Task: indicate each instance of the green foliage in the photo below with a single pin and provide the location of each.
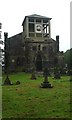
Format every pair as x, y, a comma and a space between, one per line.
68, 58
28, 100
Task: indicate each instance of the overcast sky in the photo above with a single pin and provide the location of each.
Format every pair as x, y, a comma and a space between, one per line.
12, 13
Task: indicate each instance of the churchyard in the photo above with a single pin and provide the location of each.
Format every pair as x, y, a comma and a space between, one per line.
29, 100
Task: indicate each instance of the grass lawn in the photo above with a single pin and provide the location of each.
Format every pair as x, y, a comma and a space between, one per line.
28, 100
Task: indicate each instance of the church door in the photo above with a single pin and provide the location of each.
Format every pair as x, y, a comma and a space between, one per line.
39, 63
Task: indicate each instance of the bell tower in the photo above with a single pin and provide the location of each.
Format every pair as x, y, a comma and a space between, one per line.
36, 27
39, 46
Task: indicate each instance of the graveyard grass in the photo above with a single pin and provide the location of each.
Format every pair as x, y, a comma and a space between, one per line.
28, 100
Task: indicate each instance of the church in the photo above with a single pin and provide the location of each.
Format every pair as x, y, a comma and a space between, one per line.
33, 48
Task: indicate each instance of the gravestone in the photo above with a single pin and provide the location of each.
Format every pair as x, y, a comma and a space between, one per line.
56, 73
18, 82
46, 83
33, 76
7, 81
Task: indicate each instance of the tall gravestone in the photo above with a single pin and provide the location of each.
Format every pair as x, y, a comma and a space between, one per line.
46, 83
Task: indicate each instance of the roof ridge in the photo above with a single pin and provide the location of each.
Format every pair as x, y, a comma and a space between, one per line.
36, 15
15, 35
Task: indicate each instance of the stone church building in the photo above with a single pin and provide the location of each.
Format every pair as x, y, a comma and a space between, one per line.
34, 47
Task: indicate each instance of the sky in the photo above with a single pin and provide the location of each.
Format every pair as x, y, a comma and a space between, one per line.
12, 13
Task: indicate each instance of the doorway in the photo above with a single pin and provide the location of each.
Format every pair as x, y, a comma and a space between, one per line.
39, 63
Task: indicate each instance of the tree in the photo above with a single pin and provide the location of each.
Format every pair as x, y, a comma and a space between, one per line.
68, 61
68, 58
6, 51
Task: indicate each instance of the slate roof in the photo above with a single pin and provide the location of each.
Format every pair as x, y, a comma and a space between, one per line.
16, 36
37, 16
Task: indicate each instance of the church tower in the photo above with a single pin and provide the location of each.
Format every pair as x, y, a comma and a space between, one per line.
38, 45
36, 27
